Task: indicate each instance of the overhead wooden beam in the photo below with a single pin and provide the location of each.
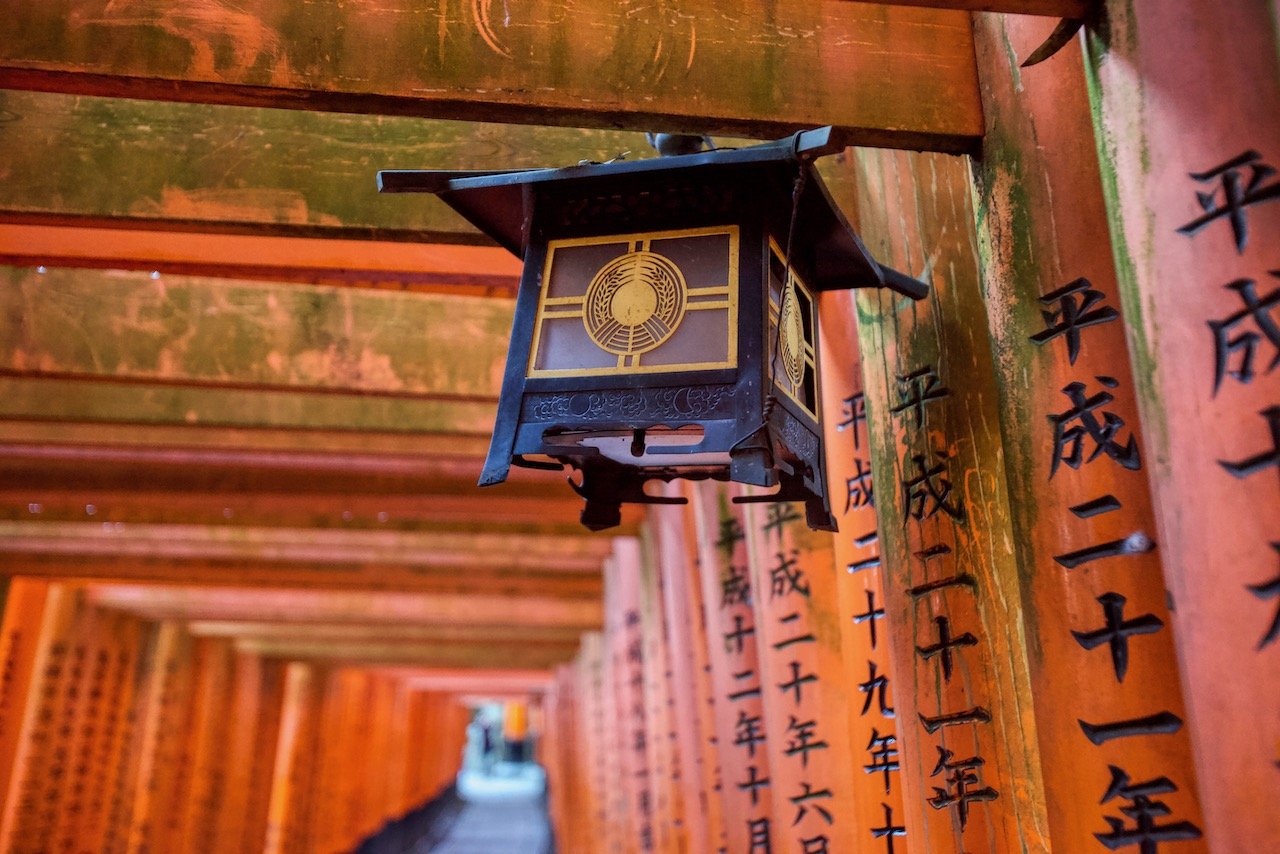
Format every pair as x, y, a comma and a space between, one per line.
414, 551
463, 681
1052, 8
891, 75
468, 655
378, 632
155, 602
244, 170
401, 266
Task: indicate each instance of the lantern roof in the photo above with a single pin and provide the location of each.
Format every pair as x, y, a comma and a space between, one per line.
499, 202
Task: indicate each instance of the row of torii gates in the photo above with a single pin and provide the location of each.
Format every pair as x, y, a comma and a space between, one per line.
251, 590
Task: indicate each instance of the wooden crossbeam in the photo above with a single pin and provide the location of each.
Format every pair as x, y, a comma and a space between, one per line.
417, 551
891, 75
402, 266
156, 602
467, 655
1052, 8
376, 632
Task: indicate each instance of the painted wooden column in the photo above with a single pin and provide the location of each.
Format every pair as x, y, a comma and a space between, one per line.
671, 832
1108, 700
288, 822
971, 772
690, 674
593, 811
19, 653
624, 642
864, 625
26, 824
245, 704
210, 723
1188, 130
109, 812
733, 646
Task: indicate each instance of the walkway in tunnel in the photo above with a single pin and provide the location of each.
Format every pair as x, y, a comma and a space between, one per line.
500, 813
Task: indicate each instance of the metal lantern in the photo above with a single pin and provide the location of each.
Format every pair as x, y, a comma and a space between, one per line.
666, 323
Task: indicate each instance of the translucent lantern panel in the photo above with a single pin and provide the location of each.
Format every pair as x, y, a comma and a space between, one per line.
638, 303
792, 340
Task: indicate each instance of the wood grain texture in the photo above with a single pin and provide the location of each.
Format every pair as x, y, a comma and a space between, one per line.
896, 76
1042, 227
1173, 98
915, 214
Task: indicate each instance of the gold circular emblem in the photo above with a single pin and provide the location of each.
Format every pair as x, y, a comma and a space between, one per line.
634, 303
791, 335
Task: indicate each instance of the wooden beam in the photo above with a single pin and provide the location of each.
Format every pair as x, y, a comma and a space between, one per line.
377, 632
418, 551
317, 606
463, 681
416, 267
245, 170
1052, 8
891, 75
468, 655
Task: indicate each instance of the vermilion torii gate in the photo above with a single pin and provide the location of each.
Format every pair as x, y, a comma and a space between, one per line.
244, 400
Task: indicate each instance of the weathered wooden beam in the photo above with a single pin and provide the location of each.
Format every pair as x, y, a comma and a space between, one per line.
469, 655
893, 76
418, 551
362, 607
1053, 8
401, 266
244, 170
355, 632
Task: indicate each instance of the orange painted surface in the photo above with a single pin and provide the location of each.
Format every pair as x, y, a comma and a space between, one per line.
807, 700
737, 680
874, 726
19, 652
693, 701
1189, 138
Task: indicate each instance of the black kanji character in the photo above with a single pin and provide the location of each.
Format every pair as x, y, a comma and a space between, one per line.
918, 388
807, 637
759, 830
801, 802
888, 830
1226, 344
859, 489
870, 616
730, 534
1117, 631
796, 682
875, 686
753, 784
1072, 315
745, 675
801, 739
749, 731
1237, 194
814, 845
960, 776
927, 492
946, 643
1144, 812
1069, 440
1269, 590
786, 577
1264, 460
735, 588
884, 756
734, 640
855, 411
1161, 723
779, 514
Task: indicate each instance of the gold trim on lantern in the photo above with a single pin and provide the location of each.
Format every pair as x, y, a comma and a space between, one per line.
786, 323
636, 302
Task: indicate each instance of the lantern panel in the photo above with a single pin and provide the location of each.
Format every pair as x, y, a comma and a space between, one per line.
792, 339
638, 303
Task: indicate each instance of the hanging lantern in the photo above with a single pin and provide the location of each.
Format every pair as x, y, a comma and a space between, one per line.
665, 325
